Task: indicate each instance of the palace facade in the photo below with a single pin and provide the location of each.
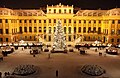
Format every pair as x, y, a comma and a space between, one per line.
35, 24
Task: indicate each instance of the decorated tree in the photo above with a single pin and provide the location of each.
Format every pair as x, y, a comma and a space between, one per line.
59, 39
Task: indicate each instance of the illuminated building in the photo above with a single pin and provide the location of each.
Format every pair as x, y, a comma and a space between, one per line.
30, 24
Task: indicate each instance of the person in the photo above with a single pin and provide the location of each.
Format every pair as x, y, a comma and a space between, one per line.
8, 73
49, 56
104, 54
0, 74
30, 52
22, 49
5, 73
33, 55
56, 73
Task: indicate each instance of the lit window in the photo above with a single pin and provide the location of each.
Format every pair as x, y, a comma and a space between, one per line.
25, 29
79, 29
35, 29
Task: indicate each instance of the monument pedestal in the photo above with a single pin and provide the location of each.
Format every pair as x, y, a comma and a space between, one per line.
58, 51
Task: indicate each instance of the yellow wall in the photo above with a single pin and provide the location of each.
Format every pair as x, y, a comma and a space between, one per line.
62, 12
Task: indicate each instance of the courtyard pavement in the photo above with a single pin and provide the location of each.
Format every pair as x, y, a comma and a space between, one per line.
68, 65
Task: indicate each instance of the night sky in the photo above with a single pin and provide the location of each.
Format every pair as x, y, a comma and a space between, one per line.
83, 4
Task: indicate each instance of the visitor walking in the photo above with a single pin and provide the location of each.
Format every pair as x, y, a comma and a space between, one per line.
0, 74
5, 73
49, 56
56, 73
8, 73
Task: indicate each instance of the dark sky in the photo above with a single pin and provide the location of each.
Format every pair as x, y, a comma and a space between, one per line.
83, 4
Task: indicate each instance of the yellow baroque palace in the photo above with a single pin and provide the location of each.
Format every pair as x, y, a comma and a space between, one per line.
36, 24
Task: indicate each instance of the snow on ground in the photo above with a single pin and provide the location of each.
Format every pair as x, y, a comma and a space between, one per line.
67, 64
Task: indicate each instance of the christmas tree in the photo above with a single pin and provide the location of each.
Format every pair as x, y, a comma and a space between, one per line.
59, 39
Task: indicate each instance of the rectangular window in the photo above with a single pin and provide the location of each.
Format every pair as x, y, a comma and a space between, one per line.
25, 29
39, 21
94, 21
49, 9
6, 20
70, 11
69, 38
6, 39
30, 21
112, 31
69, 20
44, 21
69, 30
49, 30
89, 29
89, 21
79, 29
0, 20
7, 32
118, 40
64, 10
118, 32
54, 29
84, 30
1, 31
1, 39
25, 21
74, 21
40, 29
94, 29
20, 21
54, 10
113, 21
64, 20
44, 29
99, 21
25, 37
45, 37
30, 37
30, 29
20, 29
35, 29
99, 30
49, 38
79, 21
74, 29
34, 21
49, 20
84, 21
54, 20
112, 40
59, 10
65, 30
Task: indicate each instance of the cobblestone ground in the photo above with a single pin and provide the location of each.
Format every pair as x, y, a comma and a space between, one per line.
68, 65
